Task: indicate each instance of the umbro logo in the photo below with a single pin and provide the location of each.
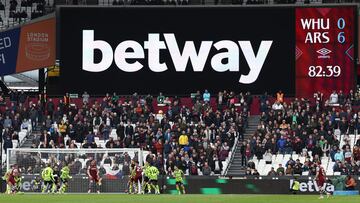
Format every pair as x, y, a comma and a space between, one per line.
324, 53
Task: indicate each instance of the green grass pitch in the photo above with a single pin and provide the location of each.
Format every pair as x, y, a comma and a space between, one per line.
122, 198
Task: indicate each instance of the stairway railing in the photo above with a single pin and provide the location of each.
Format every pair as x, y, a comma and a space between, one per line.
232, 155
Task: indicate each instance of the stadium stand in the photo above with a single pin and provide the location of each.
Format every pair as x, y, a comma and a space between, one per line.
293, 135
15, 12
183, 131
187, 132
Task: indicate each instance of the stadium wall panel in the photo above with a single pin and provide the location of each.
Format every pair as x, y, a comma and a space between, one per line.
193, 185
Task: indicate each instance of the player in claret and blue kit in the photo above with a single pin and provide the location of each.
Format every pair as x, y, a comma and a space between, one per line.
13, 180
94, 177
320, 179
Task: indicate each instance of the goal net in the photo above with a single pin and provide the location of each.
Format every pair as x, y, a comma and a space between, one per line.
113, 166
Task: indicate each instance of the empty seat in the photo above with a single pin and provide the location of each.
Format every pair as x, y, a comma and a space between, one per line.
261, 165
279, 159
273, 158
265, 170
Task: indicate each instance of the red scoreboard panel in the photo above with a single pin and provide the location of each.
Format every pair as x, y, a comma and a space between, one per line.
325, 50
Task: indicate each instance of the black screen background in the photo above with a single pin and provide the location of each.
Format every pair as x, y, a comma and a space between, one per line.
116, 24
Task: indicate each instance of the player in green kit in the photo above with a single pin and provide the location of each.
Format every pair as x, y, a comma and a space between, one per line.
64, 178
48, 176
153, 176
145, 184
179, 176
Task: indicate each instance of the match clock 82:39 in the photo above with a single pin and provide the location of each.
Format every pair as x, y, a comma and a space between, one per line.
326, 71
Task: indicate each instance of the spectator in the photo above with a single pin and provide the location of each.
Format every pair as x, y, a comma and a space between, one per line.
183, 139
280, 97
280, 170
272, 172
160, 98
277, 106
22, 97
206, 96
85, 97
350, 183
334, 98
268, 157
339, 156
90, 138
281, 144
206, 170
8, 144
50, 107
297, 169
289, 171
256, 173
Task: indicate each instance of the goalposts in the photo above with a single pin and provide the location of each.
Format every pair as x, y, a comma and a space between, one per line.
113, 165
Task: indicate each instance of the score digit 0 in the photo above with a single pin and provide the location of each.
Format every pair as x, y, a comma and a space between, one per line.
341, 35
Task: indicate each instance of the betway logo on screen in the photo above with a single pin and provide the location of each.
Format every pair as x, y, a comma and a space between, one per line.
180, 59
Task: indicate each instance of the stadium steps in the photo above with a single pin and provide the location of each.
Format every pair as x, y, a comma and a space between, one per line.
235, 168
31, 138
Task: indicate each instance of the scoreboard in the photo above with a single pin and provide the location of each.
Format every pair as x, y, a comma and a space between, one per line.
179, 50
325, 49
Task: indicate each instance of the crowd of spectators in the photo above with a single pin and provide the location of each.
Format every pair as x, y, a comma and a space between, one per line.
196, 137
317, 125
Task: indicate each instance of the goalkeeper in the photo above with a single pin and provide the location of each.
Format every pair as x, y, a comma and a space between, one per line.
179, 175
153, 176
65, 177
48, 177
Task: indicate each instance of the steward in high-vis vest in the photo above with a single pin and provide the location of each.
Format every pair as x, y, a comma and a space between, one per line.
295, 186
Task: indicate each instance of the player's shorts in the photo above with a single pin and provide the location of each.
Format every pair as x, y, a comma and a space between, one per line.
11, 180
320, 182
95, 179
56, 180
49, 182
138, 178
64, 181
153, 182
180, 183
146, 179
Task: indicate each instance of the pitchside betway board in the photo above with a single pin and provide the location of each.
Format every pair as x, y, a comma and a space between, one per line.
184, 49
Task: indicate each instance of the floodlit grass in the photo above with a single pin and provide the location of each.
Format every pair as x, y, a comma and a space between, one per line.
122, 198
